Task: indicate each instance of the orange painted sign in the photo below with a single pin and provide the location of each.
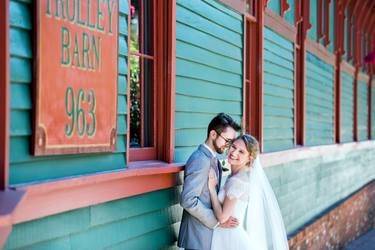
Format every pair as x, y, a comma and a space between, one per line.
76, 93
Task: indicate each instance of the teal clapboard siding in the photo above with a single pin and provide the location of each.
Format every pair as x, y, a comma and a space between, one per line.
306, 188
347, 107
275, 6
208, 78
362, 110
278, 92
146, 221
23, 166
319, 101
290, 13
313, 33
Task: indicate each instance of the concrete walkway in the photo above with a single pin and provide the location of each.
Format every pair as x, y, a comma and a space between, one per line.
364, 242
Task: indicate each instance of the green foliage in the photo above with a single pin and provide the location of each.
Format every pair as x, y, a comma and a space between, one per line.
135, 92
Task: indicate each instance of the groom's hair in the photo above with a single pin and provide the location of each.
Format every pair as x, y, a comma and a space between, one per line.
220, 122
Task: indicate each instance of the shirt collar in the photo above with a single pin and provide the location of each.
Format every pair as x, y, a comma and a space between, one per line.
212, 152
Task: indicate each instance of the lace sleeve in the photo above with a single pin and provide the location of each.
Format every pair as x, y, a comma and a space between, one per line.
236, 188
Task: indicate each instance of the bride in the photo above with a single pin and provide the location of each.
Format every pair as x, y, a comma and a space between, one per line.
248, 196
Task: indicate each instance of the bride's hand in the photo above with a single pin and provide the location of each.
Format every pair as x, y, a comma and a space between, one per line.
212, 180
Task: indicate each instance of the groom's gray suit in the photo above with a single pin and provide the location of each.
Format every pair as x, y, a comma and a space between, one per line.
198, 218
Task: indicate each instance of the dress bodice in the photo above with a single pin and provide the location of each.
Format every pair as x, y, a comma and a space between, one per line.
236, 187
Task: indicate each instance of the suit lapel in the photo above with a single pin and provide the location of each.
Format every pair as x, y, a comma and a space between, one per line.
220, 172
214, 163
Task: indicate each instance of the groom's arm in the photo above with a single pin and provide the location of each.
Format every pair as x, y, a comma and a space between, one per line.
196, 176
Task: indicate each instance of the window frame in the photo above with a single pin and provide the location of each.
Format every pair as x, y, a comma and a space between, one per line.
163, 103
253, 64
4, 95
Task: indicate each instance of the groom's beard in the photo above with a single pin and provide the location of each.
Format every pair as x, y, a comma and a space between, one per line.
217, 148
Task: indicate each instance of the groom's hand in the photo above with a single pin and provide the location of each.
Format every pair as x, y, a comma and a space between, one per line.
230, 223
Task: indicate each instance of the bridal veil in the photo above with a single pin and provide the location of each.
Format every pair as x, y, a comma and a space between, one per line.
263, 222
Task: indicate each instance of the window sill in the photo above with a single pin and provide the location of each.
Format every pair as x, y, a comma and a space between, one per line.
320, 51
30, 202
303, 153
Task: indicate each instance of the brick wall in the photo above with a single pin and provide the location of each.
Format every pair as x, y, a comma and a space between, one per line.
340, 224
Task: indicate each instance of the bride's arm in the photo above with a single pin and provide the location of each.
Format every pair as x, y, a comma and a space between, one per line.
222, 213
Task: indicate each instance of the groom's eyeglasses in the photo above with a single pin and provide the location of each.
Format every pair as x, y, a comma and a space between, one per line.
227, 141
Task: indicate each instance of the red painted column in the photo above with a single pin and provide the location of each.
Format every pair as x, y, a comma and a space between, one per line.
4, 93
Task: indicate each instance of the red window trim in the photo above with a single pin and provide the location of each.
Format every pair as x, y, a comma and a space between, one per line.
320, 51
298, 17
280, 25
238, 5
164, 87
320, 21
326, 39
4, 94
355, 106
253, 73
350, 28
284, 7
348, 68
300, 77
339, 34
369, 107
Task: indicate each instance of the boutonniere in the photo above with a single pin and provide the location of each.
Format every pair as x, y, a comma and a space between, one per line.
224, 165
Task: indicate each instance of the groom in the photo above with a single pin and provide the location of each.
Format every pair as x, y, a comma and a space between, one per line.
198, 219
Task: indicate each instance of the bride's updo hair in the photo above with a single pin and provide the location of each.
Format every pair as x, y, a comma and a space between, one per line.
252, 145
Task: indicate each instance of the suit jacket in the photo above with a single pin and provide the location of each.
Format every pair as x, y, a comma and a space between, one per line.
198, 219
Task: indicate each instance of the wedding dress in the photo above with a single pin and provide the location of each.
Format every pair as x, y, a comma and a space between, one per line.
261, 225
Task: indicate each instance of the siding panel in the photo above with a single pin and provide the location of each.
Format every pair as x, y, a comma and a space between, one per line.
347, 107
125, 223
362, 111
278, 92
208, 78
319, 101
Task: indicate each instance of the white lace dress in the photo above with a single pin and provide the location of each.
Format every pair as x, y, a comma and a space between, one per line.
237, 187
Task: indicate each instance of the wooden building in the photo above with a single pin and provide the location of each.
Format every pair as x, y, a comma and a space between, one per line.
102, 102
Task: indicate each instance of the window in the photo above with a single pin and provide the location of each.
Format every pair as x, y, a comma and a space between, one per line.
142, 70
151, 83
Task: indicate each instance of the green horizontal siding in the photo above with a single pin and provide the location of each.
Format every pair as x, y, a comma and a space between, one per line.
208, 78
23, 166
312, 33
319, 101
140, 222
278, 92
362, 111
306, 188
347, 107
303, 188
275, 6
290, 14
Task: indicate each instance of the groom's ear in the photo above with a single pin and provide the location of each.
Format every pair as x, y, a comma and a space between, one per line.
213, 134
